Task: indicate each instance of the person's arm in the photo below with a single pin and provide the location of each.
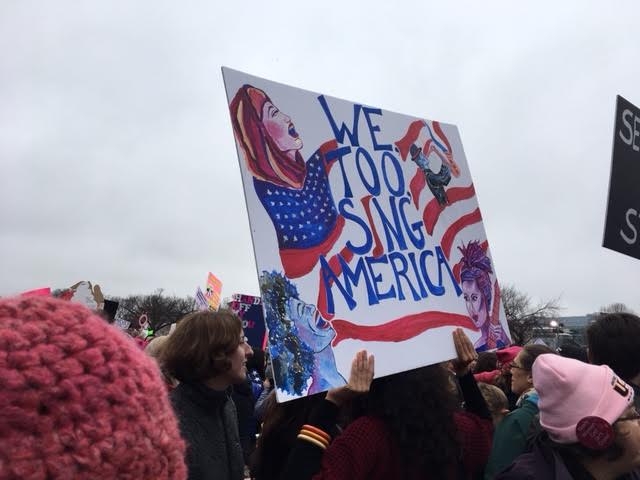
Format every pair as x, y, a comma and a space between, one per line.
313, 442
474, 424
306, 456
473, 399
474, 402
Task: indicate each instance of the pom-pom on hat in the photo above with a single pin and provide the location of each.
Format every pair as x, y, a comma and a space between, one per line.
80, 400
579, 402
507, 355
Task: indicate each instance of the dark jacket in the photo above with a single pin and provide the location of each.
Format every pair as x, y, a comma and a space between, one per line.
209, 426
242, 397
546, 463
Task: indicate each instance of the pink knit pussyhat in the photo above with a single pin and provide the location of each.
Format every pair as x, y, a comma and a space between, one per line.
507, 355
78, 400
579, 402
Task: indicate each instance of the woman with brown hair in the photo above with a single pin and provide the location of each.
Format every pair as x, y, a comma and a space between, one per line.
207, 353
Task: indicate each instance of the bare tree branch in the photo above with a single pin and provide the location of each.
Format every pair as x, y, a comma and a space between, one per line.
523, 316
616, 308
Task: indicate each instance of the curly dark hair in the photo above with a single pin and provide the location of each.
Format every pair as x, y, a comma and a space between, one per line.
418, 406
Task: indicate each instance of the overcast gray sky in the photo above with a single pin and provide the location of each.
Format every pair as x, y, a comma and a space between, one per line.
118, 163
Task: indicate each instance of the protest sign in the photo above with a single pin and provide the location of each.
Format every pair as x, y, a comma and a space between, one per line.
366, 232
212, 294
201, 300
249, 309
622, 223
110, 310
38, 292
86, 294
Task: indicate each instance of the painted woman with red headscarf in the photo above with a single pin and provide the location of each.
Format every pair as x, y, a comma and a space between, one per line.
295, 194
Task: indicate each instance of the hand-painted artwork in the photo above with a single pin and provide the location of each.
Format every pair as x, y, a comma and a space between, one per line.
214, 289
367, 234
249, 309
88, 295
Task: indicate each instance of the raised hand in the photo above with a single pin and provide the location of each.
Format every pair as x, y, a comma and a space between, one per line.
466, 353
360, 378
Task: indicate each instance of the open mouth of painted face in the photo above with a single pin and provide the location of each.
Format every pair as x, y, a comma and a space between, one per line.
292, 131
321, 323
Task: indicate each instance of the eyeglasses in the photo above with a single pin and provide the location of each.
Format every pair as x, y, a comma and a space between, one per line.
519, 367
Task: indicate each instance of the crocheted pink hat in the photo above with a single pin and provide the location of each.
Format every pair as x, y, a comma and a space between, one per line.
571, 391
80, 400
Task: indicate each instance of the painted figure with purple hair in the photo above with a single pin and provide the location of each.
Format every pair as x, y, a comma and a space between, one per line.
475, 275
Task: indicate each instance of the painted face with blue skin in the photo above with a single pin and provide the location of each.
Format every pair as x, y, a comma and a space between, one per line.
312, 328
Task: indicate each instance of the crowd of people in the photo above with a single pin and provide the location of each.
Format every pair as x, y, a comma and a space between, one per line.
81, 399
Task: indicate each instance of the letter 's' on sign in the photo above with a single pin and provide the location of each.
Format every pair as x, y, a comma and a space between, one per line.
622, 223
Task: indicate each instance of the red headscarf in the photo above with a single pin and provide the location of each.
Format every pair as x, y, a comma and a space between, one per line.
264, 159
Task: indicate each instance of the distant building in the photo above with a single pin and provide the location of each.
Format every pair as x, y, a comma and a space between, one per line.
577, 327
571, 330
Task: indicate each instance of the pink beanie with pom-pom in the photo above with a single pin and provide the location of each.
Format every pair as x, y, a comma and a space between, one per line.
79, 400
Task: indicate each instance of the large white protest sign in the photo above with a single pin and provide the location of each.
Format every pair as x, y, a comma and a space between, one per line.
366, 231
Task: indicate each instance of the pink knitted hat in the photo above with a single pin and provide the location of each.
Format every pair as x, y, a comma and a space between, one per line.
506, 355
571, 391
80, 400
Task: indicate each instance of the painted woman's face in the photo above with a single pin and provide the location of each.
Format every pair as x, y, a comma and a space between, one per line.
475, 302
280, 128
312, 328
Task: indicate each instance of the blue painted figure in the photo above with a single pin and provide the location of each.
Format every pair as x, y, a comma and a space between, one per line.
299, 337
